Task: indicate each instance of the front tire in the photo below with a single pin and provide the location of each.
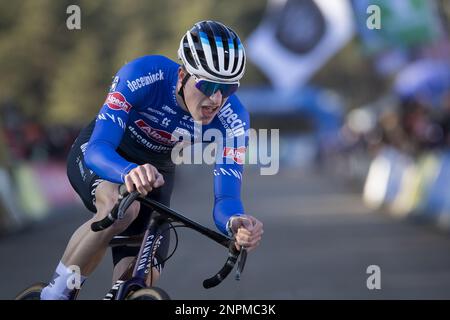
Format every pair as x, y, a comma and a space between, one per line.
31, 293
153, 293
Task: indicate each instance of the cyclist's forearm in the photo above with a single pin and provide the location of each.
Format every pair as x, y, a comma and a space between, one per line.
224, 209
227, 193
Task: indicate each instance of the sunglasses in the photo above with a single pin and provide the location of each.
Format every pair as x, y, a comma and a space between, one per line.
208, 88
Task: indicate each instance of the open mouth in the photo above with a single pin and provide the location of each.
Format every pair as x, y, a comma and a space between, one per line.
208, 111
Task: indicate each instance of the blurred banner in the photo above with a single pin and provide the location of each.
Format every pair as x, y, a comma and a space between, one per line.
43, 187
33, 192
10, 215
324, 107
297, 37
408, 28
405, 187
404, 24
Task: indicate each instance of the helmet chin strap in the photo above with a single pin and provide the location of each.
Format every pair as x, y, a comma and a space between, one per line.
181, 91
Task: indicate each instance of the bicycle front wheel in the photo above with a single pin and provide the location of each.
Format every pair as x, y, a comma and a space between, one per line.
31, 293
153, 293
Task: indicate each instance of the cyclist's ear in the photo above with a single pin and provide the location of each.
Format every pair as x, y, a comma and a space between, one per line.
181, 72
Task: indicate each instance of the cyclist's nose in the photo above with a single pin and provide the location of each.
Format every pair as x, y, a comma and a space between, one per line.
216, 98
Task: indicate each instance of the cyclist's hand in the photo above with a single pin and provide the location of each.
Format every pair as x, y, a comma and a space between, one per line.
247, 230
143, 179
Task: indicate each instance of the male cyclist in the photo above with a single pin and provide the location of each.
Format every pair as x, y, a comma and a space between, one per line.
131, 139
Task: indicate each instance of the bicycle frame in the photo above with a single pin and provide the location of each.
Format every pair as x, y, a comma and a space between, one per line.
143, 261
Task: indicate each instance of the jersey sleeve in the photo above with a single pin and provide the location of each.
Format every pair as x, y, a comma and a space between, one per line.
101, 156
229, 165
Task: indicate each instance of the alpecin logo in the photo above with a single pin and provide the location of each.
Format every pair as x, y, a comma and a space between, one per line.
116, 101
237, 154
160, 136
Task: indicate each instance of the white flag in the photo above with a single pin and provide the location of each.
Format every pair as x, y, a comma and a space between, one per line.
297, 37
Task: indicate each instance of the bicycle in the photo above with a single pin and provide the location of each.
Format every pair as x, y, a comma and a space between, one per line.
131, 285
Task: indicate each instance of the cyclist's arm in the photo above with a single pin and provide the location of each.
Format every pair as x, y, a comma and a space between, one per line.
228, 174
101, 156
227, 198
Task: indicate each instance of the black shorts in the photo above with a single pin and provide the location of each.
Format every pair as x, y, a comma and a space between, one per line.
84, 182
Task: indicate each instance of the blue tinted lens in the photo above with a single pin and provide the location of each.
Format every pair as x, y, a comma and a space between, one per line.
209, 88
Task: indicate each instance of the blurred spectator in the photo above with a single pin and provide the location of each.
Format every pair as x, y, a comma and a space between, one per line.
424, 90
3, 151
26, 139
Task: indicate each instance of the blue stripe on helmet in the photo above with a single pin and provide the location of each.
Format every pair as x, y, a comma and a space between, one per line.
230, 44
219, 42
204, 38
240, 46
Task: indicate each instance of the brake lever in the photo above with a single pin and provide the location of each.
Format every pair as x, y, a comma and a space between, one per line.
241, 263
125, 203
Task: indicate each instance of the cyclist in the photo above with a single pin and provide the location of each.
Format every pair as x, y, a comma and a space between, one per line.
131, 139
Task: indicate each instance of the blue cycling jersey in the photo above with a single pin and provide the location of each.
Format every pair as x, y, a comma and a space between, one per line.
142, 117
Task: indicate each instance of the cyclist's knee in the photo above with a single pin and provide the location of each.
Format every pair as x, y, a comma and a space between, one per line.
106, 197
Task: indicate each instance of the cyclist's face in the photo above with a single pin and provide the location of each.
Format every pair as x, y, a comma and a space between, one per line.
201, 107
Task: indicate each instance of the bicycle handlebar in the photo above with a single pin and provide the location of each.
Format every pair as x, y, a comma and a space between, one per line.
126, 199
233, 255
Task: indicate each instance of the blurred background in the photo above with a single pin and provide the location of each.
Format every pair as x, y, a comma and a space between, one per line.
360, 91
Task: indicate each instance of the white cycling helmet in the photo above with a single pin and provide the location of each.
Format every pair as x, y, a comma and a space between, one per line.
212, 51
